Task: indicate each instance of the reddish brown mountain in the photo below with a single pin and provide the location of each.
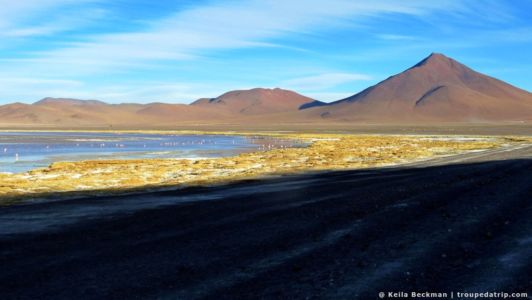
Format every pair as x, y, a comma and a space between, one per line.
49, 111
436, 89
63, 112
232, 107
256, 101
160, 113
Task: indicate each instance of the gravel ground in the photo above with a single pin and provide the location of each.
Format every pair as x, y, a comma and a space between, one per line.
456, 224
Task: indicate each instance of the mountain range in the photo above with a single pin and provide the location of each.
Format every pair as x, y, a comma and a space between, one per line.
437, 89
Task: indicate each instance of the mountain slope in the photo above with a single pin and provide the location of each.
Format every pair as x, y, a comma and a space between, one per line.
175, 113
256, 101
235, 107
436, 89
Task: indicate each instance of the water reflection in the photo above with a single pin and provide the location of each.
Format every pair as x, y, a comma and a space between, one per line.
23, 151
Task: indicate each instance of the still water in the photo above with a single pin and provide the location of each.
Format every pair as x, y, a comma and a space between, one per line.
23, 151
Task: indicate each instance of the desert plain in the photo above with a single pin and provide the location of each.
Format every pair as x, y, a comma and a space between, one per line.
343, 217
421, 182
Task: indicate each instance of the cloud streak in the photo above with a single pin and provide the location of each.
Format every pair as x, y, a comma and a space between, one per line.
312, 46
324, 81
189, 33
33, 18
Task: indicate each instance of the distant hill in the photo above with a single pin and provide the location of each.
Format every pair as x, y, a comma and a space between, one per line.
256, 101
230, 107
436, 89
68, 101
175, 113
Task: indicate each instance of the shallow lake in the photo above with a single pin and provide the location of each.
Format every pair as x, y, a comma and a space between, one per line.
23, 151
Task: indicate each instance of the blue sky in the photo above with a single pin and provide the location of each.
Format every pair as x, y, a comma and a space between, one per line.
178, 51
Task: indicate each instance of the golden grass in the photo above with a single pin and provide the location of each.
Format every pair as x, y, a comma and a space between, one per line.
325, 152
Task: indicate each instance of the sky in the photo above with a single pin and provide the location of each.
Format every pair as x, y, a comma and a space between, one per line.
178, 51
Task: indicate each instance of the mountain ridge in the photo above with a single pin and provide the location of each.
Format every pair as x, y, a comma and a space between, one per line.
440, 84
436, 89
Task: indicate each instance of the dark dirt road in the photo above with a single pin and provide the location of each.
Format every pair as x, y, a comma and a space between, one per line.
455, 224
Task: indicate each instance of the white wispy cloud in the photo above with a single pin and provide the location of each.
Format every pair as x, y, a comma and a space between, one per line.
4, 81
28, 89
396, 37
237, 24
150, 92
329, 96
185, 35
28, 18
323, 81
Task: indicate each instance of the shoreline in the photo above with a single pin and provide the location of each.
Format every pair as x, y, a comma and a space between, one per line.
252, 238
453, 128
324, 152
25, 152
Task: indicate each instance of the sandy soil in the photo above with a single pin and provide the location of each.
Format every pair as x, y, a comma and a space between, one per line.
460, 223
501, 128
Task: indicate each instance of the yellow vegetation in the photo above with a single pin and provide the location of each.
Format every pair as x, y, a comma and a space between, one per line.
325, 152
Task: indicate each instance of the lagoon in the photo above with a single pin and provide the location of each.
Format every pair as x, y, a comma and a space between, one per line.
24, 151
